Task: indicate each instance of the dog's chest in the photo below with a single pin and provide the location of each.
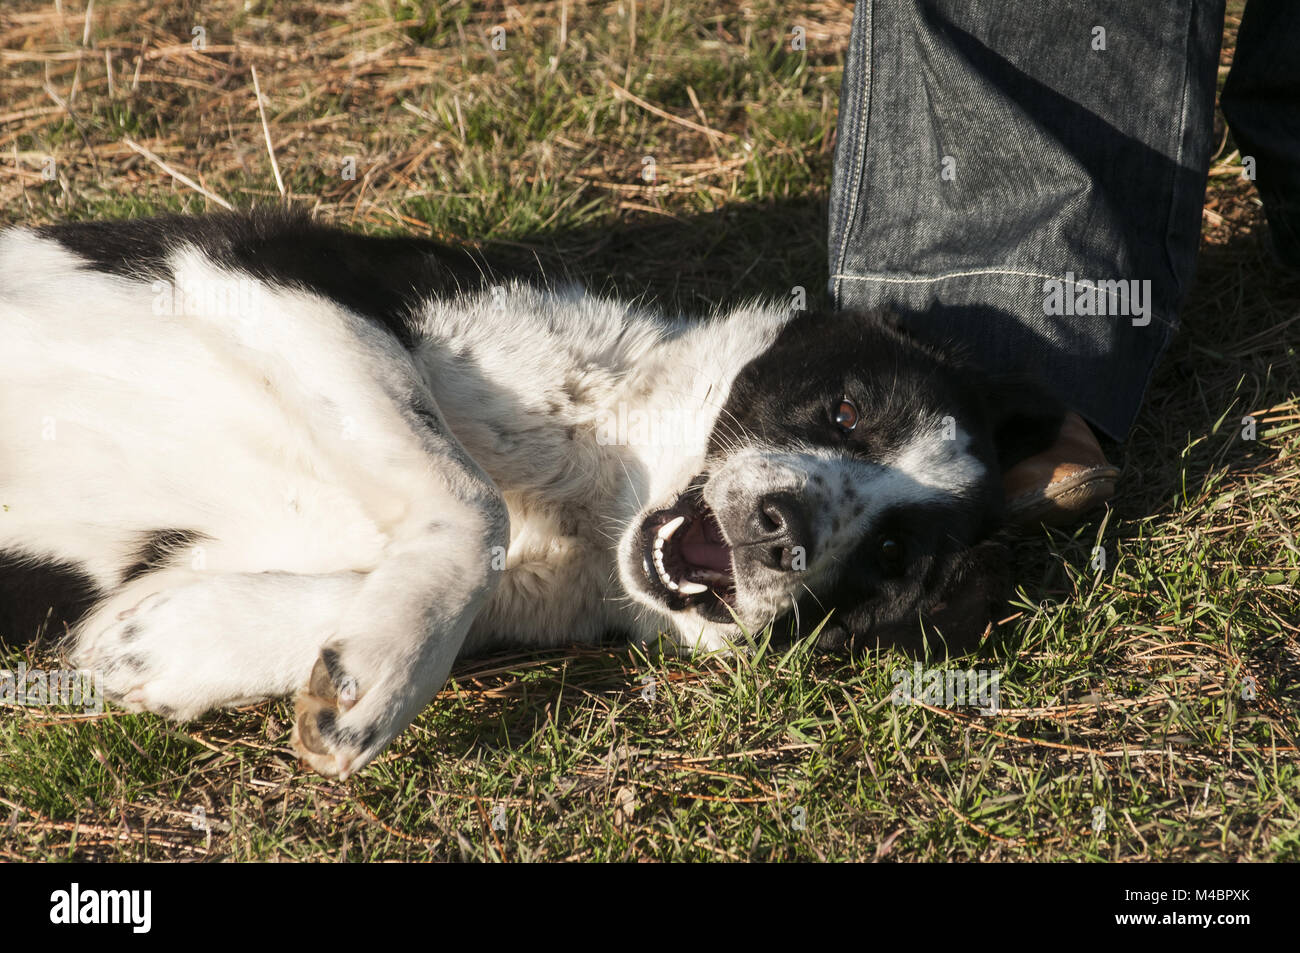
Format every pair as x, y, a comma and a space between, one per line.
558, 583
526, 397
582, 411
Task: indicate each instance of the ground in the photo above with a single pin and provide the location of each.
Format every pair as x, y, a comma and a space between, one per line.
681, 151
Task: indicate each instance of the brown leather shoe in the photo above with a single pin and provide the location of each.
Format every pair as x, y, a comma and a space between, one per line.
1061, 484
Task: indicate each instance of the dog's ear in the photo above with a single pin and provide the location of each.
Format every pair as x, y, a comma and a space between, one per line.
974, 589
1024, 417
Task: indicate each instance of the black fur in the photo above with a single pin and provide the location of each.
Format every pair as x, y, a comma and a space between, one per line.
40, 598
159, 548
379, 278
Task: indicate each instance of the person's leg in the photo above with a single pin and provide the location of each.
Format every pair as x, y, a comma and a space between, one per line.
1261, 101
993, 158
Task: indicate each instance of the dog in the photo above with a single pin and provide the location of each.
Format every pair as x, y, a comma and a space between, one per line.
246, 456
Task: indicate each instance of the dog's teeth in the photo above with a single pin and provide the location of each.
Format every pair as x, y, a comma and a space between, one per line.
669, 528
666, 579
662, 535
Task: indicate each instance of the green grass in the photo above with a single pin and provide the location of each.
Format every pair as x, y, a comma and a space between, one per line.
1126, 730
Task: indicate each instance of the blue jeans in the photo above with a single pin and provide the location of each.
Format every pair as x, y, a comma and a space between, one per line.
1024, 181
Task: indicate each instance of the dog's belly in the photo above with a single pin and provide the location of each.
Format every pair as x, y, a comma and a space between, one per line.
120, 422
110, 454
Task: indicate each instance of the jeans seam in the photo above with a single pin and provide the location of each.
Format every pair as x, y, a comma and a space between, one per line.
975, 273
971, 273
1172, 207
859, 147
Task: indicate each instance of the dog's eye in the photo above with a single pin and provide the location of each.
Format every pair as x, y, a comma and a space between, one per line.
891, 557
846, 415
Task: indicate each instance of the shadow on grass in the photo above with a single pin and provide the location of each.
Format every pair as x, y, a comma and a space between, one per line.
693, 264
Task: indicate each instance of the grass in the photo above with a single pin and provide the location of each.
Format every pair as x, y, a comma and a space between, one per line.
1150, 708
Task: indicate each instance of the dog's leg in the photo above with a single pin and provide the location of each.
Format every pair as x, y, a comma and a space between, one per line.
367, 648
444, 520
397, 641
179, 642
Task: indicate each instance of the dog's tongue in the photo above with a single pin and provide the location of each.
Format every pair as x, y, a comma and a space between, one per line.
703, 546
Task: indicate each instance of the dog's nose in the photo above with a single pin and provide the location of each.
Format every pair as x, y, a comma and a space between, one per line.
781, 534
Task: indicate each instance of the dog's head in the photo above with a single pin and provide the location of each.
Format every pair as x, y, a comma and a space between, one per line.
853, 472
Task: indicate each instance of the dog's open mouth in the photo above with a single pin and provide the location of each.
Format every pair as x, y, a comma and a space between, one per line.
686, 558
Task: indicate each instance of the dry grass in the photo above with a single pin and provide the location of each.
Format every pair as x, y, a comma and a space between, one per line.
442, 134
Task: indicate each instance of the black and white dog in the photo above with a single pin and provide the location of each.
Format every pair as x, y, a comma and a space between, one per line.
248, 456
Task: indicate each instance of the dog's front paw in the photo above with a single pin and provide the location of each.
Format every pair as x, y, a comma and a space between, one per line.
330, 733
